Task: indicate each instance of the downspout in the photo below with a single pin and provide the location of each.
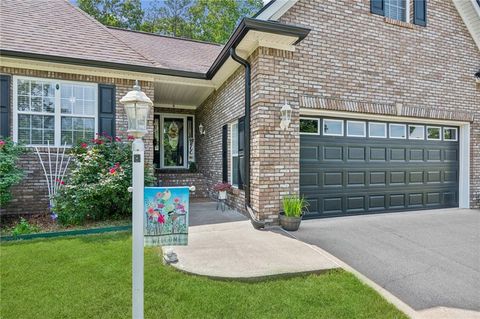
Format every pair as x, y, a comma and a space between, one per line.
257, 224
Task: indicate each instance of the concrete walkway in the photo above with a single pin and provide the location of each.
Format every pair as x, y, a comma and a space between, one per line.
236, 250
229, 247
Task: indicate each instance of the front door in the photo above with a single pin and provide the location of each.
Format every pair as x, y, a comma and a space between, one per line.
173, 141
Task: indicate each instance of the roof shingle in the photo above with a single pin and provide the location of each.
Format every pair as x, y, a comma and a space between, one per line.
171, 53
58, 28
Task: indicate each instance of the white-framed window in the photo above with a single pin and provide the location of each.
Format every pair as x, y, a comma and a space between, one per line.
450, 134
398, 131
434, 133
309, 126
54, 112
377, 130
234, 158
396, 9
356, 128
332, 127
416, 132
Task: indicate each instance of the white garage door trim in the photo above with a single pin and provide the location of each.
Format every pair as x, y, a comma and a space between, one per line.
464, 161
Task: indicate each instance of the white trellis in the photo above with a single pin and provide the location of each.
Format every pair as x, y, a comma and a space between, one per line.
54, 171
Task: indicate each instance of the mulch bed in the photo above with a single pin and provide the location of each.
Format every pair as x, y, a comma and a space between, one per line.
46, 224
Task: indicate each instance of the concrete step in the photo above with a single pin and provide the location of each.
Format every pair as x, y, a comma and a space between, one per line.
185, 179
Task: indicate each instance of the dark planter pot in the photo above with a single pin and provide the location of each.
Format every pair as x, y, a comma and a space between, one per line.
290, 223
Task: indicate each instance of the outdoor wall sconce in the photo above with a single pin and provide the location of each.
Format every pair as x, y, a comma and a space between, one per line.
286, 116
201, 129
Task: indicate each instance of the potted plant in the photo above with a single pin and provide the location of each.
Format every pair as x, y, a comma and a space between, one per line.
222, 189
293, 208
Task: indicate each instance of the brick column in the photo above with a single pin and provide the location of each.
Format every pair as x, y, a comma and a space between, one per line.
275, 153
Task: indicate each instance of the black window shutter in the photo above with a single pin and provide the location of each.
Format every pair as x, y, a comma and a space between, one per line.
420, 12
225, 153
106, 109
377, 7
4, 105
241, 148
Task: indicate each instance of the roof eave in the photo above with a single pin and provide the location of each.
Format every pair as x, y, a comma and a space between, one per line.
248, 24
102, 64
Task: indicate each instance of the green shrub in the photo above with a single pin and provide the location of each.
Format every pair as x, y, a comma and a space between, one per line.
10, 173
23, 227
97, 186
293, 205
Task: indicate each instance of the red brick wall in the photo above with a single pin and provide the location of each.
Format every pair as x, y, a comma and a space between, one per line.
353, 55
349, 55
31, 195
223, 106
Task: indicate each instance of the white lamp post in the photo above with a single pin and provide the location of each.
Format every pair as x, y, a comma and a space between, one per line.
137, 105
286, 116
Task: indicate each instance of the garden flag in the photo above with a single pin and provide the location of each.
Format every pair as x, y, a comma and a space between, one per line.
166, 216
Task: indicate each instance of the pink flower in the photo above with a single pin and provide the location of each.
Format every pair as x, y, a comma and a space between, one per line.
2, 143
60, 181
150, 210
97, 141
176, 200
112, 171
130, 137
161, 219
84, 145
160, 205
117, 139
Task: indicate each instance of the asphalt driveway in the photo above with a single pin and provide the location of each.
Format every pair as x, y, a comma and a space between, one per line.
425, 258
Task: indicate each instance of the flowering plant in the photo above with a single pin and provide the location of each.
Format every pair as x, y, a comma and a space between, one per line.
10, 173
222, 187
97, 186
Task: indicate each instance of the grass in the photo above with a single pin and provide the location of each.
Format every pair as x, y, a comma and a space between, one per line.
90, 277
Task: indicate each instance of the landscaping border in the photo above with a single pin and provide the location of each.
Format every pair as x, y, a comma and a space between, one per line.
67, 233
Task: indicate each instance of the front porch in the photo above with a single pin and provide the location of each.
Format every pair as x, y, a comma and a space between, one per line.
205, 212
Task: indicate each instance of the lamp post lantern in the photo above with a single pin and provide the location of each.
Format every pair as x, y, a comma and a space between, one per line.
137, 105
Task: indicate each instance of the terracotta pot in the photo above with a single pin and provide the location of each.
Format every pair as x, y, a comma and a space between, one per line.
290, 223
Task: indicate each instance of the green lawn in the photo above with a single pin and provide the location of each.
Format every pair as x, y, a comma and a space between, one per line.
89, 277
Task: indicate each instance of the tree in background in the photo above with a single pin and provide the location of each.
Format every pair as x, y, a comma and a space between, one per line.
214, 21
206, 20
126, 14
169, 17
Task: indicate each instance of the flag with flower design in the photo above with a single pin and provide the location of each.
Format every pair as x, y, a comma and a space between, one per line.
166, 216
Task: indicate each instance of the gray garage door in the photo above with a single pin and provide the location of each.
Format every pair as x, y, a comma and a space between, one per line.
350, 167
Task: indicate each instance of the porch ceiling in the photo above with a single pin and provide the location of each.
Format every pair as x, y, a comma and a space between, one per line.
182, 95
190, 93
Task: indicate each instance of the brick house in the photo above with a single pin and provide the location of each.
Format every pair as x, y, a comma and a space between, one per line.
384, 97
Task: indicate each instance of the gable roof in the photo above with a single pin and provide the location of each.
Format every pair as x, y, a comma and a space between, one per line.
470, 12
169, 52
57, 31
53, 28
